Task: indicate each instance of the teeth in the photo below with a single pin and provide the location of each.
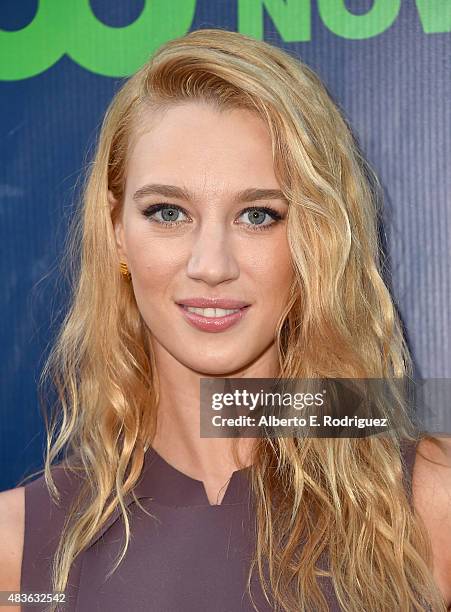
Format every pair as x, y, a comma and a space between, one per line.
211, 312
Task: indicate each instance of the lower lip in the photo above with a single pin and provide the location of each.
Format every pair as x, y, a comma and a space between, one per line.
213, 324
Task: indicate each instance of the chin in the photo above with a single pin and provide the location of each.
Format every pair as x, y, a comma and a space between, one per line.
210, 366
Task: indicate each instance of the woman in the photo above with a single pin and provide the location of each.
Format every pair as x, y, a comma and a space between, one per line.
226, 178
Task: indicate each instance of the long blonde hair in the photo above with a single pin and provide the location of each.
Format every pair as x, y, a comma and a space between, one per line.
343, 496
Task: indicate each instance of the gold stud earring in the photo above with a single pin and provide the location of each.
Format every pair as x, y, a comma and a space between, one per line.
125, 271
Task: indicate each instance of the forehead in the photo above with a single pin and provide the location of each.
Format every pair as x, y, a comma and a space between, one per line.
201, 146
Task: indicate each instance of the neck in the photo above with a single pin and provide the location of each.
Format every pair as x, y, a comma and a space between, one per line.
177, 437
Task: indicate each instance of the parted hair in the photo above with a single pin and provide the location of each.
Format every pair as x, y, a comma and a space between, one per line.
341, 497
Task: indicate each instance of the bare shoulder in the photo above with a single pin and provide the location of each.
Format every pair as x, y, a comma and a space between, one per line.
12, 524
431, 484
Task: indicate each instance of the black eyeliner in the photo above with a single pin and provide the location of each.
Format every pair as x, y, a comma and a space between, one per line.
267, 209
149, 211
154, 208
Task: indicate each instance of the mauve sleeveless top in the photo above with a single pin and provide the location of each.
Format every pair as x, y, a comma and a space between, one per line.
195, 557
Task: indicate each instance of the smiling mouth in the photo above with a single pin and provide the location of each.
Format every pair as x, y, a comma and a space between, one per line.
212, 313
212, 319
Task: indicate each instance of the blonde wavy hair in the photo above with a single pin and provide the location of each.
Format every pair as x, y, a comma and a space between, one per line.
344, 496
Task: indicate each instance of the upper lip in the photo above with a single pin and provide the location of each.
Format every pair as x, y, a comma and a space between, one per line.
205, 302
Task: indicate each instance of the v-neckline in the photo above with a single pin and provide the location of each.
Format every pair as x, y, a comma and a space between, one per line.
170, 486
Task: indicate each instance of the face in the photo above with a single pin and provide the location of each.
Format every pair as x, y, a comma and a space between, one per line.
203, 218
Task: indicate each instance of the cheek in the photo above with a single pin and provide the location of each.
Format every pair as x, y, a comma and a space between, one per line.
272, 269
153, 261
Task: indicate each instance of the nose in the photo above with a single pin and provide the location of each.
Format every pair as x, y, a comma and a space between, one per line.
212, 259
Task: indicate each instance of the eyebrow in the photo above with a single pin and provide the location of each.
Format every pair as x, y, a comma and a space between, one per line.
172, 191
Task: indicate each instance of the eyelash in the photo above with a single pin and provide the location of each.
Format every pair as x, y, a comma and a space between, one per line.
151, 210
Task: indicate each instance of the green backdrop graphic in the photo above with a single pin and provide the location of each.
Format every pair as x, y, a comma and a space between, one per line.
70, 27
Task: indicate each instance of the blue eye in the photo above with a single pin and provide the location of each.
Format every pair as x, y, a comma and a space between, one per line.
170, 214
258, 215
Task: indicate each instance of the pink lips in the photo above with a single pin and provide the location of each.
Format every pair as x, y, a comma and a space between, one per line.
213, 324
212, 302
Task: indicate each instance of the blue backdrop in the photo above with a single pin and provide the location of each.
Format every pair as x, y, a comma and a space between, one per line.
387, 63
